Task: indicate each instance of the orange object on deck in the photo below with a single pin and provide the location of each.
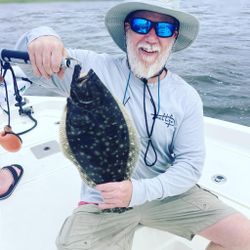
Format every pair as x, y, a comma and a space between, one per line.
9, 140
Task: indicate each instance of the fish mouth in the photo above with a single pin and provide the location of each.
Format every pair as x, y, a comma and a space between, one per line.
87, 102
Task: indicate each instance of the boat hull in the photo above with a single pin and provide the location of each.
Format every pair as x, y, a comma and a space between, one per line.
50, 187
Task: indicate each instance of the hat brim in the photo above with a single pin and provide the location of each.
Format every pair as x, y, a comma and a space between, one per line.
114, 21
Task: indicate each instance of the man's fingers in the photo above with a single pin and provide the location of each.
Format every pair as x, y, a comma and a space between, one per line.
33, 63
46, 57
38, 60
40, 65
60, 74
107, 187
111, 203
108, 195
56, 59
46, 53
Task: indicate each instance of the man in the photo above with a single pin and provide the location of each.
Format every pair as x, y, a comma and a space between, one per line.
167, 113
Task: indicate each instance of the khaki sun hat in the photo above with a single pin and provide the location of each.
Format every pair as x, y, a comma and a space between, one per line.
189, 25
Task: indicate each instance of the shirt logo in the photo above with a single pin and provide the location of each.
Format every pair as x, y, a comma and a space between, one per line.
168, 119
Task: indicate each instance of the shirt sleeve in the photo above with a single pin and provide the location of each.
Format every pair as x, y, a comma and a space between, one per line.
31, 35
183, 174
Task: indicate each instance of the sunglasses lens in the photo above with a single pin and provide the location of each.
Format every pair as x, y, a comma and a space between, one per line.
143, 26
140, 25
165, 29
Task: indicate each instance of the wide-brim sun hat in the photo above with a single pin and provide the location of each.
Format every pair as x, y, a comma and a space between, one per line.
188, 30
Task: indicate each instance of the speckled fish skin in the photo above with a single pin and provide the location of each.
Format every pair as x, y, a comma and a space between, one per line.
97, 133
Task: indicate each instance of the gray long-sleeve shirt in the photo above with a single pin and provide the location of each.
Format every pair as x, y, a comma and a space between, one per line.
178, 135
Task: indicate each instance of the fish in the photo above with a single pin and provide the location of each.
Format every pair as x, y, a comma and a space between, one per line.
97, 133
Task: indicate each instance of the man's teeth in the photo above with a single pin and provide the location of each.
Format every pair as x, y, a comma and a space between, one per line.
149, 50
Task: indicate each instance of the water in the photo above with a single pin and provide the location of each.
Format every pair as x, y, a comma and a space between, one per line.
217, 64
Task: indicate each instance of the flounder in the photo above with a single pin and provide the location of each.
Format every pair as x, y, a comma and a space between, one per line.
96, 132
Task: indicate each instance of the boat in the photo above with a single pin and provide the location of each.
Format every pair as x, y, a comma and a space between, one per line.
50, 187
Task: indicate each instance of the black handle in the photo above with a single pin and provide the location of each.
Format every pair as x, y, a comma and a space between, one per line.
14, 56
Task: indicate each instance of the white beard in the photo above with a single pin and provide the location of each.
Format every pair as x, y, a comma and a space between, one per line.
145, 68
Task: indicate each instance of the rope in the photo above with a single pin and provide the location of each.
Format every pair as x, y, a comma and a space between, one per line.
27, 112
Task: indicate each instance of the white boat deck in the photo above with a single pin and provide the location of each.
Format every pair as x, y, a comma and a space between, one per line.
49, 190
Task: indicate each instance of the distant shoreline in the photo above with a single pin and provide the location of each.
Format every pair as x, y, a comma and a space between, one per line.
30, 1
27, 1
43, 1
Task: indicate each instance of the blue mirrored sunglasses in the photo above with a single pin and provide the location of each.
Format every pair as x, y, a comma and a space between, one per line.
143, 26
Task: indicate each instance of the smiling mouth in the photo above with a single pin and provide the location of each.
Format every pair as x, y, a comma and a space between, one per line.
148, 51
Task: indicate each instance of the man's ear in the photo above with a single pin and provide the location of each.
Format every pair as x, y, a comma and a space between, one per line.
126, 26
176, 33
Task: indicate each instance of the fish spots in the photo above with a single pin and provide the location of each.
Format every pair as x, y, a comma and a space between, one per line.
97, 133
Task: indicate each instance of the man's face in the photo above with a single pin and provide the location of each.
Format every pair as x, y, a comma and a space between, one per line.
148, 53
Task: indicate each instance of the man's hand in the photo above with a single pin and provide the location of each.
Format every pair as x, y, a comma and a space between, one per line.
46, 54
115, 194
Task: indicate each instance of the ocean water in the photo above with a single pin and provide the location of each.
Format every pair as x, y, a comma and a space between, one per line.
217, 64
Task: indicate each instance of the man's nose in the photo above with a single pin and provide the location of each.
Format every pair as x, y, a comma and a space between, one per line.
152, 36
